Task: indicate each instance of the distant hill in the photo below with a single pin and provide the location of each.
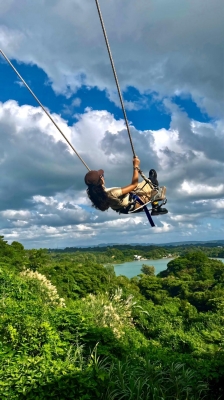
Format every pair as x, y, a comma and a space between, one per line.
101, 246
211, 242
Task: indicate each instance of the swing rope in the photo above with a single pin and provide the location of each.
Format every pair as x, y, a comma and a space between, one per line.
115, 75
44, 109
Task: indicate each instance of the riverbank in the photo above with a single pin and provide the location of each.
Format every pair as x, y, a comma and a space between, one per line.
133, 268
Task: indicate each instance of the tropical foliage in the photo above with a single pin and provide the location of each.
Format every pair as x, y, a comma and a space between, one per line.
71, 329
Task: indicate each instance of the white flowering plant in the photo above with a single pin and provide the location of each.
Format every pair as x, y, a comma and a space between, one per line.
48, 291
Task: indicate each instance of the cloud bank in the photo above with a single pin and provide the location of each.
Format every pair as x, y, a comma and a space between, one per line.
42, 191
161, 48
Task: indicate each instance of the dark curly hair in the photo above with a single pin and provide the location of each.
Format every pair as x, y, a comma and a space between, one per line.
98, 197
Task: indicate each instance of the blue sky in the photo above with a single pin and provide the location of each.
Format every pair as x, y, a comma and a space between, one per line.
153, 113
171, 75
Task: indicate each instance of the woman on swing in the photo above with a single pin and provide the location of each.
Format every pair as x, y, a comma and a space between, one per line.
119, 199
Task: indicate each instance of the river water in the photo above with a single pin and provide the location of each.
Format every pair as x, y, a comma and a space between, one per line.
133, 268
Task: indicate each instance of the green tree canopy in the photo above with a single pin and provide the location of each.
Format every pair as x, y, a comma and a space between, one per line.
148, 269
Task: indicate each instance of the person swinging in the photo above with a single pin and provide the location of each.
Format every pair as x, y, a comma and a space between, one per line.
120, 199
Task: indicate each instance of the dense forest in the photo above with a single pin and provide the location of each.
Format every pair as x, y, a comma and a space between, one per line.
122, 253
71, 329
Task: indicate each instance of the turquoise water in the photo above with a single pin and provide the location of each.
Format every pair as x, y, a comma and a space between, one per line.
133, 268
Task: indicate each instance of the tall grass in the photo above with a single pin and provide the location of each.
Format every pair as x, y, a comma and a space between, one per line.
147, 380
151, 381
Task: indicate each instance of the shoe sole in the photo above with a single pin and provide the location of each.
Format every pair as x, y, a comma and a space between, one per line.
158, 213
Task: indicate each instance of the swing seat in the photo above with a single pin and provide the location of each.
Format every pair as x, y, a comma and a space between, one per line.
139, 209
143, 207
135, 199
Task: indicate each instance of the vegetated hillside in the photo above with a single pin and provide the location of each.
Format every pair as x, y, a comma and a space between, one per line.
71, 329
125, 253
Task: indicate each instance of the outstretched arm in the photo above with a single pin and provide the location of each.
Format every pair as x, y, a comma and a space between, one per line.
134, 183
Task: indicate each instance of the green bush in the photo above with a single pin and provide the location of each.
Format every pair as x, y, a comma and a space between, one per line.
111, 338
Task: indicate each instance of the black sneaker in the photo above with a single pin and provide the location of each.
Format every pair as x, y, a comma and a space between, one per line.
159, 211
153, 177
